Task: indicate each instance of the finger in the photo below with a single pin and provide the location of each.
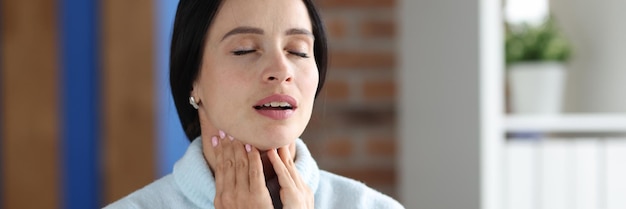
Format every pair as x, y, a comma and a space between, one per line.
219, 157
241, 166
285, 155
219, 171
284, 178
255, 170
228, 164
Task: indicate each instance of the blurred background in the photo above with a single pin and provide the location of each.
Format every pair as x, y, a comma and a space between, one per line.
418, 103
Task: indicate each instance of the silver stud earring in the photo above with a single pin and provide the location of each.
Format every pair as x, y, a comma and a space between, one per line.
193, 103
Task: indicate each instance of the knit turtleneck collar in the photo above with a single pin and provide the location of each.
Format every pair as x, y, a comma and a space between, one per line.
193, 176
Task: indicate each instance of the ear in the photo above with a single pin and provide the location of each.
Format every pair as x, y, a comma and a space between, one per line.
196, 92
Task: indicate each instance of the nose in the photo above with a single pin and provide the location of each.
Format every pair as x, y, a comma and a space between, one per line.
278, 70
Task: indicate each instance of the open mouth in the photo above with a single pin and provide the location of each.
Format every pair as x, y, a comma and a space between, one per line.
277, 106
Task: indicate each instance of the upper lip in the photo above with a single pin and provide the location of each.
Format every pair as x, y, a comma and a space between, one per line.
278, 98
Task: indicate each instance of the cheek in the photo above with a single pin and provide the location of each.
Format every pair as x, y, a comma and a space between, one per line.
223, 78
308, 87
221, 90
310, 81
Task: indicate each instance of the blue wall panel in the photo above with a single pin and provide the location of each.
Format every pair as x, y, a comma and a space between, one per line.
172, 141
80, 103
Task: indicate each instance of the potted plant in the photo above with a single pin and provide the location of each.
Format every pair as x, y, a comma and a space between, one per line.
535, 58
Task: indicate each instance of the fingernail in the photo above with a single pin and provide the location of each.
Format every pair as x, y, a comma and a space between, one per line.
231, 137
248, 148
214, 141
222, 134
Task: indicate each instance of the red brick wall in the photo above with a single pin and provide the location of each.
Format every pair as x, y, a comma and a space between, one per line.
352, 130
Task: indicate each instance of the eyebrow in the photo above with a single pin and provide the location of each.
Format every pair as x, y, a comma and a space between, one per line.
243, 30
253, 30
299, 31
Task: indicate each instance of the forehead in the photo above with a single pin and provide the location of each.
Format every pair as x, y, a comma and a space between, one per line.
272, 16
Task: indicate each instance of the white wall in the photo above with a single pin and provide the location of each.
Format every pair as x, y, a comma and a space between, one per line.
598, 69
450, 103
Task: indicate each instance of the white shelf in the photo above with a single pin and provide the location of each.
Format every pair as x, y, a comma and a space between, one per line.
567, 123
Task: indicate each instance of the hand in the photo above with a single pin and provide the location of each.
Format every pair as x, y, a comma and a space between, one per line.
294, 193
240, 181
239, 178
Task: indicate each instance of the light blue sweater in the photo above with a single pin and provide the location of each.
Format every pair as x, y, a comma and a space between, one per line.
191, 185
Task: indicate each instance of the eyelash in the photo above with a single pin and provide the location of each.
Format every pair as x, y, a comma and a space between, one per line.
244, 52
299, 54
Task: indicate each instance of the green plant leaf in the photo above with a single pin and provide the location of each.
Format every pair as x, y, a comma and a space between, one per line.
525, 42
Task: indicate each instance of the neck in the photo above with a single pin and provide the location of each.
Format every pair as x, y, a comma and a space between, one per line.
268, 169
271, 180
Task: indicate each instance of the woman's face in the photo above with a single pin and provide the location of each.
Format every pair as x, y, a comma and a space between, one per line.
258, 76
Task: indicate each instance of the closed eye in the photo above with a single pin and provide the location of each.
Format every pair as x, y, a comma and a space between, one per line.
299, 54
243, 52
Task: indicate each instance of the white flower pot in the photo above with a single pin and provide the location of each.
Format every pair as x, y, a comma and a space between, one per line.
536, 87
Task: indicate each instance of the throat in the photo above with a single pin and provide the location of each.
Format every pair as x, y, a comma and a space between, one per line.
271, 181
268, 169
274, 189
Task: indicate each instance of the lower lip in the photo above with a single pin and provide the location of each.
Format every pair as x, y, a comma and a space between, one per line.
276, 114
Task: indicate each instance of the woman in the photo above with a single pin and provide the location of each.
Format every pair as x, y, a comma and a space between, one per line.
244, 75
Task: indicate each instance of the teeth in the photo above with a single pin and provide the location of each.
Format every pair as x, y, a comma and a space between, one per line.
284, 104
277, 104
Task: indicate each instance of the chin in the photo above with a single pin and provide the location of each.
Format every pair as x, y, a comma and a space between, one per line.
275, 142
277, 138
